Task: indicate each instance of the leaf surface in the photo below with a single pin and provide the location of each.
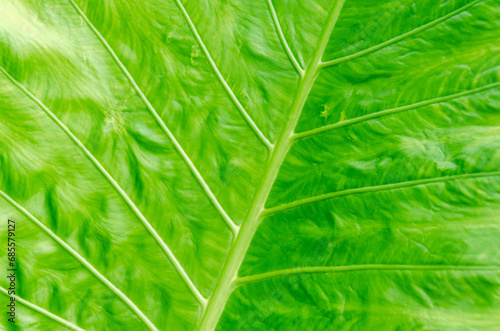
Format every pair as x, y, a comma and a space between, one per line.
252, 165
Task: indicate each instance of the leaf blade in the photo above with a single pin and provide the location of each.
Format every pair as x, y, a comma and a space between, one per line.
385, 165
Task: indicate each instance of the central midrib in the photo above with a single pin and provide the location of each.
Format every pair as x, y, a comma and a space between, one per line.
238, 249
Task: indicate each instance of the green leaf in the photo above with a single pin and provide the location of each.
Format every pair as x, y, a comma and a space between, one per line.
251, 165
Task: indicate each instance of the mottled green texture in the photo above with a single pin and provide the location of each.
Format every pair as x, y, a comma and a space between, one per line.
251, 165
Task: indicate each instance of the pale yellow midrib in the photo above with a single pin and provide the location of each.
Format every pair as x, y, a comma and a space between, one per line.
238, 249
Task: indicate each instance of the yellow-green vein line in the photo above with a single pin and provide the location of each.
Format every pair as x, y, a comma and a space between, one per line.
228, 89
362, 190
363, 267
42, 311
283, 39
386, 112
399, 38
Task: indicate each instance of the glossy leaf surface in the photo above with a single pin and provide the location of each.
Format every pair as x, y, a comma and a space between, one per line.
251, 165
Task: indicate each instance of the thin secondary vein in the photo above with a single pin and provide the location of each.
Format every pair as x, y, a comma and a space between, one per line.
234, 228
228, 89
44, 312
83, 261
399, 38
362, 190
386, 112
283, 39
239, 247
117, 187
363, 267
